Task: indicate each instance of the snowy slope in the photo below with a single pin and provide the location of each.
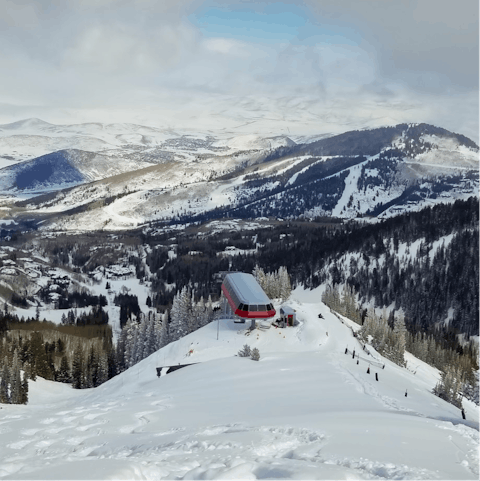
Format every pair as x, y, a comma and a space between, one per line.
304, 411
32, 138
145, 174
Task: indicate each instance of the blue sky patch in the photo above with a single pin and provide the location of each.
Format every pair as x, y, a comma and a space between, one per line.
274, 23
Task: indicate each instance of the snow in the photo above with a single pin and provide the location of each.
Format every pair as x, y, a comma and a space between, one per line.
246, 288
304, 411
252, 141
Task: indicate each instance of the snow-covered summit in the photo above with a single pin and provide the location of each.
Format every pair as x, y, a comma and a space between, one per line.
31, 123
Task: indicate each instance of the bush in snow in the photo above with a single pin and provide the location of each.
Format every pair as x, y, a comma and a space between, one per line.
255, 354
245, 352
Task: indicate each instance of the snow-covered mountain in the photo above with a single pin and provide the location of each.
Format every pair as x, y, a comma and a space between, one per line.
164, 175
31, 138
306, 410
62, 169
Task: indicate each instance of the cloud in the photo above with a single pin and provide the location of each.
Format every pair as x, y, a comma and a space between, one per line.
344, 62
435, 36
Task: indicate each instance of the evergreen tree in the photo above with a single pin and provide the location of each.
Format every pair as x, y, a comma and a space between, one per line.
192, 314
77, 368
178, 326
400, 339
102, 371
449, 386
161, 331
260, 277
15, 381
245, 351
27, 370
255, 354
285, 286
24, 391
64, 370
130, 331
149, 341
4, 383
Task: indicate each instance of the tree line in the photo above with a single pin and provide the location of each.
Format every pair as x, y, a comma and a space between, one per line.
388, 334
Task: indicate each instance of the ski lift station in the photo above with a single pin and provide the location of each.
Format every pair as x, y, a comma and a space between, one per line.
246, 298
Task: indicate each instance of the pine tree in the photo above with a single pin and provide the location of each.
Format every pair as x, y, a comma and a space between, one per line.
245, 352
400, 332
4, 383
77, 368
260, 277
24, 390
449, 386
284, 283
178, 326
102, 371
192, 314
209, 310
149, 341
112, 362
64, 370
255, 354
161, 330
15, 381
129, 332
27, 370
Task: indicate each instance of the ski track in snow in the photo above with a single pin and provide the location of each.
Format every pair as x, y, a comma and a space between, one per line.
139, 427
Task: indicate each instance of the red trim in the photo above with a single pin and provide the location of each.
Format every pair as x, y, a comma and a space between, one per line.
255, 314
229, 299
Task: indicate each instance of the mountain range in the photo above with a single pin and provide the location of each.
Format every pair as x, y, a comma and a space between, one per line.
120, 176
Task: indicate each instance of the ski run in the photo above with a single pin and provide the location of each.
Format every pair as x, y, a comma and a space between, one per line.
308, 409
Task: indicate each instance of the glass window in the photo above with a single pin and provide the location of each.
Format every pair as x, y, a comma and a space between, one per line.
262, 307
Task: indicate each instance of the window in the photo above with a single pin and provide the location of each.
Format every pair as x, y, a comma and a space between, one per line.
262, 307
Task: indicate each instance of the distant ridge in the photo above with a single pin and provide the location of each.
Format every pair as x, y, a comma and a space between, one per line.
26, 123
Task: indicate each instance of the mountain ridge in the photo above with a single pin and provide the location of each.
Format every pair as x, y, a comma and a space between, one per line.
375, 172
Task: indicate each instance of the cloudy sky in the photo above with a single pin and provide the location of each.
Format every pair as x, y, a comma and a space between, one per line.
312, 66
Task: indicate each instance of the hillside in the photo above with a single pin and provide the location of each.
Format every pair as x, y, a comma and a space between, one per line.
304, 411
149, 176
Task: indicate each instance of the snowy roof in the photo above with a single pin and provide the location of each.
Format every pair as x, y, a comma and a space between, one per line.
247, 288
286, 310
